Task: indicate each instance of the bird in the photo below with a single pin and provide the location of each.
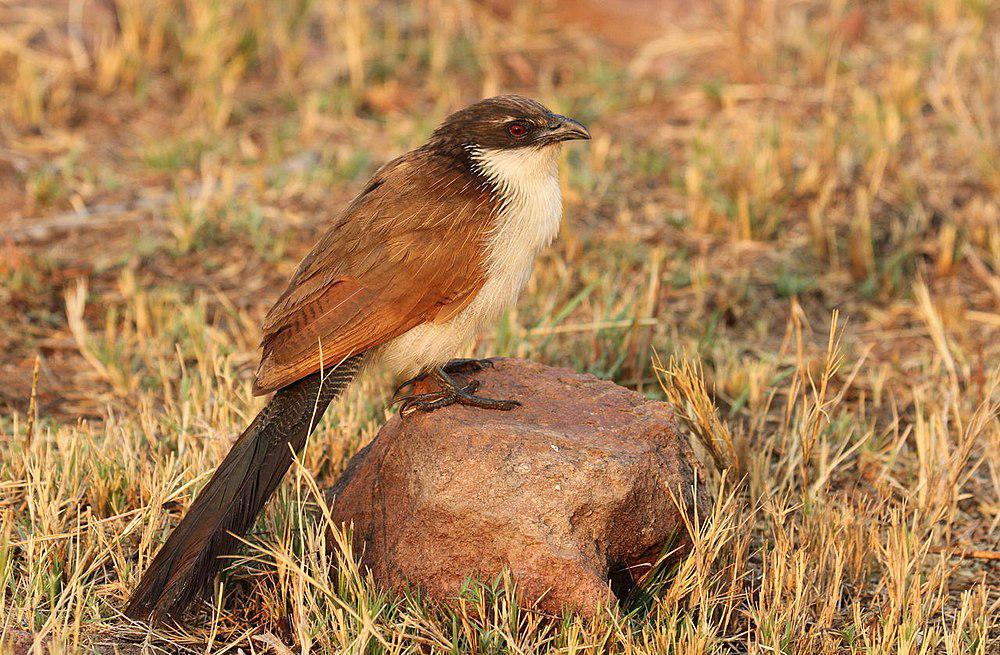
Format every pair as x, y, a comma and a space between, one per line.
438, 244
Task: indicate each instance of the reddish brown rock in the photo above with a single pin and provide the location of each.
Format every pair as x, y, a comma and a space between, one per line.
569, 491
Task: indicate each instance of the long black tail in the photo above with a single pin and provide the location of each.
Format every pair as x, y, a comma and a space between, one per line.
227, 506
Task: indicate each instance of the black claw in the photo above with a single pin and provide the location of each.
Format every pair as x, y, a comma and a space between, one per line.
426, 405
488, 403
417, 397
452, 392
428, 402
464, 366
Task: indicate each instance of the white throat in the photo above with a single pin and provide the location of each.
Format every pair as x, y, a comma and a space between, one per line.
526, 182
519, 171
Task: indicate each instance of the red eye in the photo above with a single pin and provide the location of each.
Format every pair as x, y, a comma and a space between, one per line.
517, 130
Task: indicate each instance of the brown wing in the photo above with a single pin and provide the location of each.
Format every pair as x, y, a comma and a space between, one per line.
405, 252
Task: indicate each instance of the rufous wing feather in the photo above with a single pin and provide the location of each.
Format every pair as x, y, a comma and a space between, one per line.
400, 255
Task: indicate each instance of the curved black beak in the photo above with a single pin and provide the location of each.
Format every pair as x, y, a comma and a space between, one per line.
563, 128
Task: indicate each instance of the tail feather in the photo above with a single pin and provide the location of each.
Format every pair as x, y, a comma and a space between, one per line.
227, 506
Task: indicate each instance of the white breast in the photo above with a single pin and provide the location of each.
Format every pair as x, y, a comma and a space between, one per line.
527, 182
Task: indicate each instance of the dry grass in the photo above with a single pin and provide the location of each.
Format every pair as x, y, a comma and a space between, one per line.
793, 203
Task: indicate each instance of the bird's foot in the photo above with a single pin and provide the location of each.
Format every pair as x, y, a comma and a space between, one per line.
428, 402
452, 392
466, 366
454, 366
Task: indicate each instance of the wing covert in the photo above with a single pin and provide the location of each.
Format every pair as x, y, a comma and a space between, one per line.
401, 254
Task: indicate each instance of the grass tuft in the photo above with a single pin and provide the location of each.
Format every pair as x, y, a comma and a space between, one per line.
787, 225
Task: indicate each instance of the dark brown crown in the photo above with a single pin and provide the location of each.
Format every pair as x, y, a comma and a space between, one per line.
498, 122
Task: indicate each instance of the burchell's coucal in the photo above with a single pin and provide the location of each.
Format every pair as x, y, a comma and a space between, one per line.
438, 244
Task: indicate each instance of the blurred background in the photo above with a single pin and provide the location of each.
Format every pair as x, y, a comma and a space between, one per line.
798, 199
179, 157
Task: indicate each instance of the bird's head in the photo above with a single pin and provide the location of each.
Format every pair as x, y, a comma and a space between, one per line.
511, 140
507, 122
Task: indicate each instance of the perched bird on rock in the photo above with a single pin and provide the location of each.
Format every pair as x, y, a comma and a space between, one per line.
437, 246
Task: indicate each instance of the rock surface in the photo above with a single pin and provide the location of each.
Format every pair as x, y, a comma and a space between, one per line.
571, 492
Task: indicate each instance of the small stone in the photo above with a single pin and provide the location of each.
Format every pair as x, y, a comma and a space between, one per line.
570, 491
